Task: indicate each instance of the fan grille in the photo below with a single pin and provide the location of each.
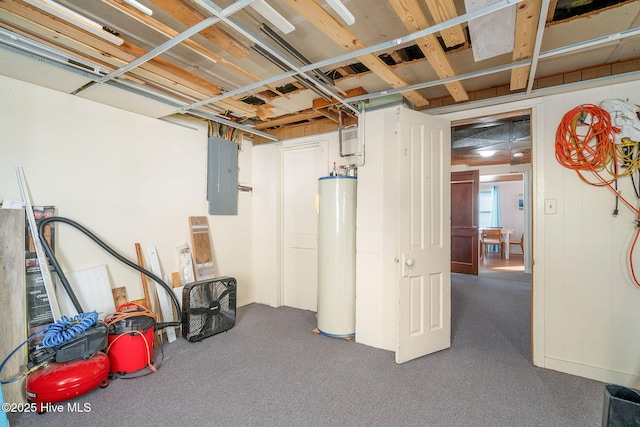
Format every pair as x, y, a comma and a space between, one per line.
208, 308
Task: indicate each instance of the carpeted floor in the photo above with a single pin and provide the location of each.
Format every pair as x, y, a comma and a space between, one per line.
271, 370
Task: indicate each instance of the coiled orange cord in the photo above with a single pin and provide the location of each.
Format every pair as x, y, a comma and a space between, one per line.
119, 315
594, 150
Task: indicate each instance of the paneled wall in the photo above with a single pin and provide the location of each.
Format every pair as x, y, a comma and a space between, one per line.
585, 316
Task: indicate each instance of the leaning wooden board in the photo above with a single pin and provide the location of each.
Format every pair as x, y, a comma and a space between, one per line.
201, 247
13, 316
143, 277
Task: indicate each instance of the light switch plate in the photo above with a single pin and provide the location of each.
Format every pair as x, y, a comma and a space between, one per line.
550, 206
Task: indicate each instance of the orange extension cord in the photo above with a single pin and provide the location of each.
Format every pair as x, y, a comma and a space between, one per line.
594, 150
119, 315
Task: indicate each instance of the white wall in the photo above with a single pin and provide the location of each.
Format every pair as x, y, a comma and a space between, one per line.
266, 227
591, 314
126, 177
585, 316
377, 213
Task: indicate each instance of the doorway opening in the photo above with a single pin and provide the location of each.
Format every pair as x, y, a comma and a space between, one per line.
501, 205
499, 147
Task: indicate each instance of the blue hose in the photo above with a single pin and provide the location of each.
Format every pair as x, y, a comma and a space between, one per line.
66, 329
58, 333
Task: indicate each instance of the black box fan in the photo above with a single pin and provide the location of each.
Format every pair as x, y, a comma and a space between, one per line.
208, 307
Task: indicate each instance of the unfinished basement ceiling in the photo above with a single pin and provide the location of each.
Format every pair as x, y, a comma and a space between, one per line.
495, 140
244, 70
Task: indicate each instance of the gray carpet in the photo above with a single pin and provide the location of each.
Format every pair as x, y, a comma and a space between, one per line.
271, 370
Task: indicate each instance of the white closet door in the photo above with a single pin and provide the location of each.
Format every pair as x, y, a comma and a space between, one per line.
301, 168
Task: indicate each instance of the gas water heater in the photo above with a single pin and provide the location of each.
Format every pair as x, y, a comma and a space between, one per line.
337, 256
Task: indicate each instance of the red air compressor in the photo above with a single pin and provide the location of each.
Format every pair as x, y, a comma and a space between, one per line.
130, 339
57, 382
80, 365
70, 361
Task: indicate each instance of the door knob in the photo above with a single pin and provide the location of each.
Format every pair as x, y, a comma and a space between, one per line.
409, 262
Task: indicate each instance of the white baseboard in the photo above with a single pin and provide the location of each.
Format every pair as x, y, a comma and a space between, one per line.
592, 372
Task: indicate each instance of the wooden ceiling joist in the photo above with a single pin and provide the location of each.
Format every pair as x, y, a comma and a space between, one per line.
264, 111
84, 45
413, 18
87, 45
399, 56
527, 17
323, 103
329, 114
287, 119
315, 14
170, 33
189, 16
443, 10
324, 107
346, 71
551, 11
327, 108
299, 130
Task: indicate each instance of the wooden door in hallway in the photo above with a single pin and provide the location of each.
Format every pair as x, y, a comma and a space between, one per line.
464, 221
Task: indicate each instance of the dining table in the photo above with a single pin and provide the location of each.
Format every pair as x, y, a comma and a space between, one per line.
506, 234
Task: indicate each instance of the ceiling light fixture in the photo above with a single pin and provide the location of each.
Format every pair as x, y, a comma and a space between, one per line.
142, 8
273, 16
487, 153
74, 18
342, 10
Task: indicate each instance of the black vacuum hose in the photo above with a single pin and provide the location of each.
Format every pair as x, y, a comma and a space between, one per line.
65, 282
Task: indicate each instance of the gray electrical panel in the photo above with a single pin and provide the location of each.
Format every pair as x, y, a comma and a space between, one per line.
222, 176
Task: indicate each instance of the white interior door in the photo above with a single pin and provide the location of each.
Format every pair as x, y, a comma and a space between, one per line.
301, 168
424, 236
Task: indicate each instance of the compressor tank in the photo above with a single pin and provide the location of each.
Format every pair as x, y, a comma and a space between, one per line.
65, 381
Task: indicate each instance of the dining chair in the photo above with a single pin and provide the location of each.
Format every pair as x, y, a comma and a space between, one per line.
518, 243
491, 236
